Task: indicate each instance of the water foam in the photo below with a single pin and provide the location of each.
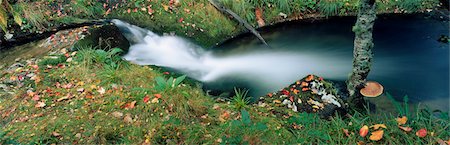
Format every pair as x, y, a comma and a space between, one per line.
270, 68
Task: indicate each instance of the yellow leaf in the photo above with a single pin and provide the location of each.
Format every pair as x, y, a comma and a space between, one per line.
17, 18
363, 131
377, 135
360, 143
3, 19
376, 126
402, 120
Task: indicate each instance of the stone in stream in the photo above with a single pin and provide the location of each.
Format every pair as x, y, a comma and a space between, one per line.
311, 94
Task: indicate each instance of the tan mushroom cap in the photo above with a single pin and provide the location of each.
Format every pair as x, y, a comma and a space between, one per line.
372, 89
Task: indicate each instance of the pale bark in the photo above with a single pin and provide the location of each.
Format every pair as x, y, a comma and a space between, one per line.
362, 53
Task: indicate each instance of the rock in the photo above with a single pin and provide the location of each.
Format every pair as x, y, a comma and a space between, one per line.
311, 94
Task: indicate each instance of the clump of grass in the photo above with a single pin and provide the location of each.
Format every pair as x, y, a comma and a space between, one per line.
240, 99
330, 7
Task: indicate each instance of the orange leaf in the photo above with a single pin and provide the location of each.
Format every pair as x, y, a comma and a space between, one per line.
363, 131
377, 135
406, 129
129, 105
309, 78
157, 96
422, 132
402, 120
304, 84
376, 126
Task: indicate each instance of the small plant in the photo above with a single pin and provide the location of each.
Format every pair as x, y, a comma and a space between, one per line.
110, 58
240, 100
163, 84
330, 7
244, 125
402, 109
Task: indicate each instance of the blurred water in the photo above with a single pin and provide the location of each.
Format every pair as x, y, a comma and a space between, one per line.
408, 60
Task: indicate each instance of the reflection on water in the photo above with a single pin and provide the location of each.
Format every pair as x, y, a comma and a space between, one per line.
408, 59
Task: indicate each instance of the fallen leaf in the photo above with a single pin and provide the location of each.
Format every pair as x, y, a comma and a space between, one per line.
360, 143
68, 96
128, 119
346, 132
101, 90
224, 116
363, 131
441, 142
376, 126
402, 120
377, 135
36, 98
56, 134
157, 96
130, 105
422, 132
309, 78
146, 99
277, 101
117, 114
180, 20
78, 135
406, 129
155, 100
80, 90
39, 104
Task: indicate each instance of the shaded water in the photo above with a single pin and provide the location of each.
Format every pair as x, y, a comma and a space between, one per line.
408, 60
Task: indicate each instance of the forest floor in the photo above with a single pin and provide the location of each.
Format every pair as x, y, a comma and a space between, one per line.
92, 96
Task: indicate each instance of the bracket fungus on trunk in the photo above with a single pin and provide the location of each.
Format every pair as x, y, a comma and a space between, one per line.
372, 89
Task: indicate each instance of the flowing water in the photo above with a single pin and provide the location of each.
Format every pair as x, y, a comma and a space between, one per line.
408, 59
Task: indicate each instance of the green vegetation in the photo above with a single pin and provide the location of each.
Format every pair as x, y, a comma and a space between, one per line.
89, 101
194, 19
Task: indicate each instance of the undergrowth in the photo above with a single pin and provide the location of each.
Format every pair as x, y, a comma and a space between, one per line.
99, 98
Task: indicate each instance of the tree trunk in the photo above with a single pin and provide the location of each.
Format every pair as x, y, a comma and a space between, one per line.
362, 53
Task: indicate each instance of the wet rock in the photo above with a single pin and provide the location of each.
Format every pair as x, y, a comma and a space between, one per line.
311, 94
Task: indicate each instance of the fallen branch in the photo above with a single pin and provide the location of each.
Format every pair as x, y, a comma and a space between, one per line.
239, 19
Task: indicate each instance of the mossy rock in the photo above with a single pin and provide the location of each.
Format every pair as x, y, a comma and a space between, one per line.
312, 94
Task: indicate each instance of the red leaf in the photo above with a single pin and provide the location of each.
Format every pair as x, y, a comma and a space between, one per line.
146, 99
285, 92
422, 132
180, 20
166, 73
